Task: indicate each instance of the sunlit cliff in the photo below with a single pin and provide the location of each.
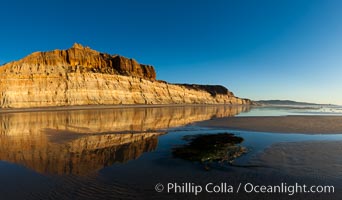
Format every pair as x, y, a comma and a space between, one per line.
82, 76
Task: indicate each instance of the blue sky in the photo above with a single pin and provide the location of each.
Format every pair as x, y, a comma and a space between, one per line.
259, 49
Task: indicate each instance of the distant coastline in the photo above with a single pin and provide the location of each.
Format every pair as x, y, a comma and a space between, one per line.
288, 103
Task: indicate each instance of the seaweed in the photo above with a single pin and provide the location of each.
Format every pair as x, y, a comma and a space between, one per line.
207, 148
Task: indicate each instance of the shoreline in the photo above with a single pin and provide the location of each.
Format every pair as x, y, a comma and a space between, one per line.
93, 107
307, 124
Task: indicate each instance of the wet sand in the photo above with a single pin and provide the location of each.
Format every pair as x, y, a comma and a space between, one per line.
280, 124
319, 158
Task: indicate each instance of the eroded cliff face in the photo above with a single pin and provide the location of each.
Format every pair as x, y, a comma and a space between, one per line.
82, 76
77, 59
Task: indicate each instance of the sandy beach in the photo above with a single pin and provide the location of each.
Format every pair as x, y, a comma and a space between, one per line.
280, 124
303, 158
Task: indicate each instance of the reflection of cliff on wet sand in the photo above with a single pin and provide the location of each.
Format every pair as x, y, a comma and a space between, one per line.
111, 120
78, 156
82, 141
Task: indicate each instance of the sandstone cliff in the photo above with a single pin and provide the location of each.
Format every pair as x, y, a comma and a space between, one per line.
82, 76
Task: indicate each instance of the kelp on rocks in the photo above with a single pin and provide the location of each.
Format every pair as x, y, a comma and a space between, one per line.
205, 148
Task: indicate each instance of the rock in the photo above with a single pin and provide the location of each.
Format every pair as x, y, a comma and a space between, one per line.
78, 59
220, 147
82, 76
212, 89
130, 67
